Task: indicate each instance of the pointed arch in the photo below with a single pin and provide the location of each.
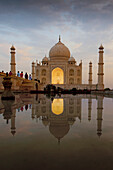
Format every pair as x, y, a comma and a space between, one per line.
57, 76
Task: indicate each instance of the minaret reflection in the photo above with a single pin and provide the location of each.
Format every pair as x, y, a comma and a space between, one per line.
33, 111
89, 108
9, 113
13, 128
99, 115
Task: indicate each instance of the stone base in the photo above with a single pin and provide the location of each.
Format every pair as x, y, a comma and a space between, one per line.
71, 86
100, 86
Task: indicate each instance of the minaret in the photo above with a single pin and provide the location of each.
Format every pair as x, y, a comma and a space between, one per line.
33, 70
13, 129
13, 64
80, 65
99, 115
90, 73
100, 68
59, 38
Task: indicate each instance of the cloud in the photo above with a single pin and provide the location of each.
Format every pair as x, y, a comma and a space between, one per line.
33, 27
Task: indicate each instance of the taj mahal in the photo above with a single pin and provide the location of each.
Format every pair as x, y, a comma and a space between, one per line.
62, 70
59, 69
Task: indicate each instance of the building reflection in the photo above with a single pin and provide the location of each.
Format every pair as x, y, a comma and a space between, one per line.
89, 108
99, 115
9, 113
57, 106
56, 113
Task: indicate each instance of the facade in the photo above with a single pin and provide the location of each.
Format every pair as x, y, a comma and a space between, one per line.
59, 69
62, 70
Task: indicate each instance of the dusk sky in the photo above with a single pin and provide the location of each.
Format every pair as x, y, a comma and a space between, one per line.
34, 26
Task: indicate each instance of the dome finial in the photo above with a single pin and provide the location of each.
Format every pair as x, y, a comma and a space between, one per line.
59, 38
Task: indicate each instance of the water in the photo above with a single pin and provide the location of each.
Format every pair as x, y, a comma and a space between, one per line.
61, 132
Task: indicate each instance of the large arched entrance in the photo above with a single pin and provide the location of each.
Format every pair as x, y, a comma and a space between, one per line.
57, 76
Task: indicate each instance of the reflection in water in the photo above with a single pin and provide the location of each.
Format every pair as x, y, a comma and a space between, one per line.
89, 108
9, 114
58, 106
38, 129
59, 113
99, 116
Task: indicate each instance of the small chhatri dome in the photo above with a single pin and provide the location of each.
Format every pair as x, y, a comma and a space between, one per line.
12, 48
45, 59
59, 50
101, 47
71, 59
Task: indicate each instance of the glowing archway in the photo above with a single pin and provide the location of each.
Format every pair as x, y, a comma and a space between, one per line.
58, 106
57, 76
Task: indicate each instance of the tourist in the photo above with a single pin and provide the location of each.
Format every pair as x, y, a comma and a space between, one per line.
30, 105
21, 74
26, 76
10, 73
18, 74
29, 76
22, 109
6, 73
26, 107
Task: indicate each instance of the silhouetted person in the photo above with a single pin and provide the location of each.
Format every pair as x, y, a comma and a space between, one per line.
30, 105
6, 73
19, 109
29, 76
18, 74
26, 106
26, 76
21, 74
22, 109
10, 73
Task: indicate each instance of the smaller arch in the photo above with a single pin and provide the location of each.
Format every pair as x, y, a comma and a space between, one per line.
71, 110
37, 73
44, 101
78, 72
43, 72
43, 80
71, 101
71, 81
78, 80
43, 109
71, 72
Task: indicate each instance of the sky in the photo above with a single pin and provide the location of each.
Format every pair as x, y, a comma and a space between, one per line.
34, 26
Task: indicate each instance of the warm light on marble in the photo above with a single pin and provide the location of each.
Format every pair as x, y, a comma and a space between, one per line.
57, 76
58, 106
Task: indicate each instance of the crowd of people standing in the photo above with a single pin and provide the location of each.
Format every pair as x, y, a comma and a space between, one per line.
26, 75
19, 74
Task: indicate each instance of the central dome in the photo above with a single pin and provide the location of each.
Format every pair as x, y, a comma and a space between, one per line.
59, 51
